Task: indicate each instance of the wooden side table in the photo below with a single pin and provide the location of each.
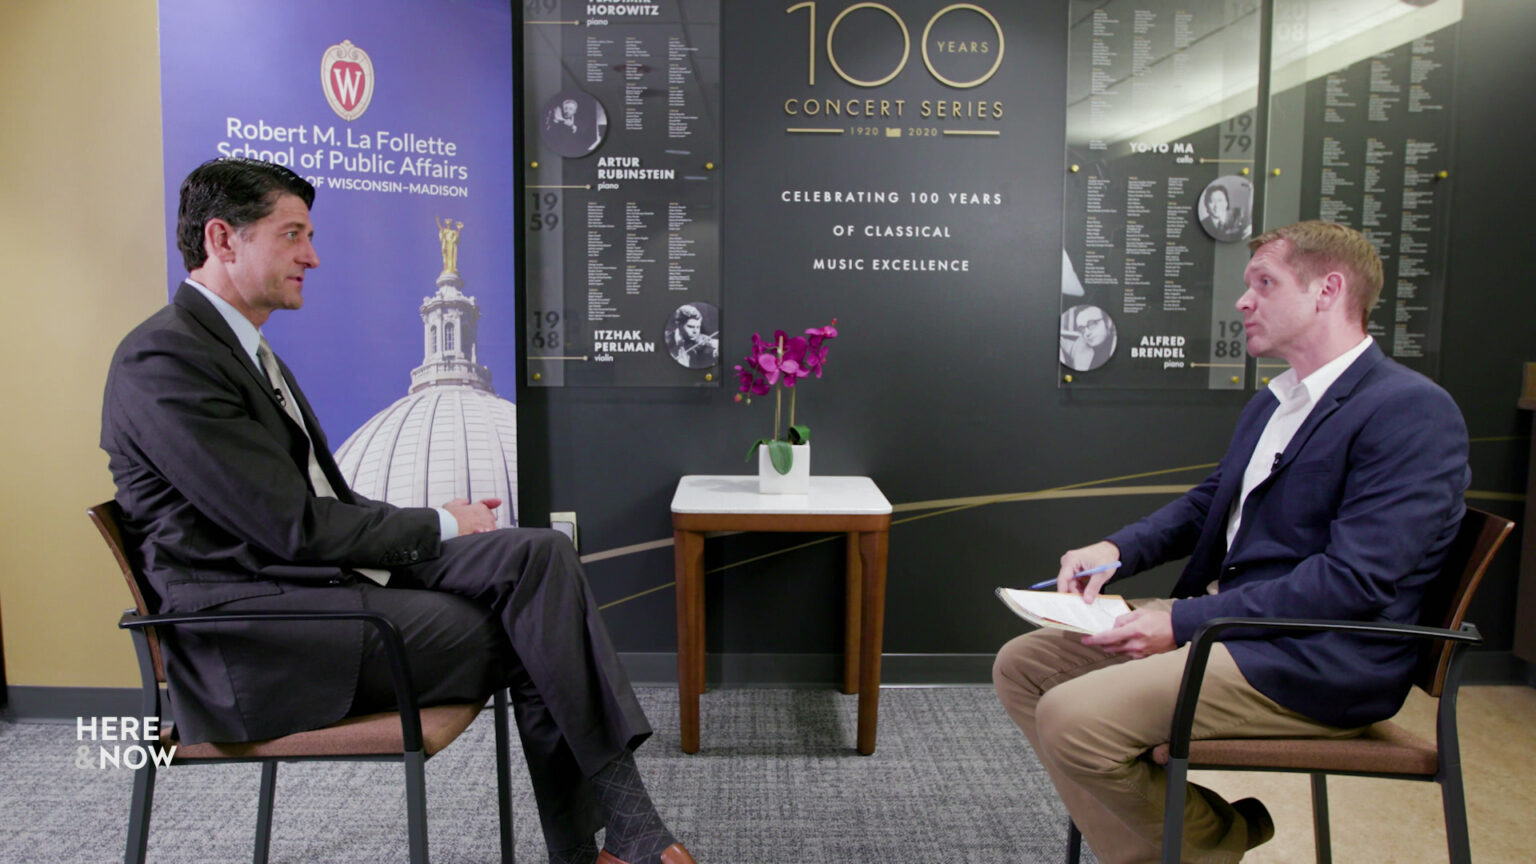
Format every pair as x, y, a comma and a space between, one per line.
853, 505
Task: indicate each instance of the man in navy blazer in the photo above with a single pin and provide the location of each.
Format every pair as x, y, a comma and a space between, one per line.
232, 501
1337, 498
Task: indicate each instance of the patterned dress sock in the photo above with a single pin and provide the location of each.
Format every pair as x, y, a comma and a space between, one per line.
635, 831
586, 853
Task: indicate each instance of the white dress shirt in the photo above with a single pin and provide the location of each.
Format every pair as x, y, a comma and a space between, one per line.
1297, 399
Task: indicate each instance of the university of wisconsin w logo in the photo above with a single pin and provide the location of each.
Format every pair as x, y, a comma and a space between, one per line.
346, 75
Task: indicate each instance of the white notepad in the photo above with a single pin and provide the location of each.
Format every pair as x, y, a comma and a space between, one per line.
1064, 611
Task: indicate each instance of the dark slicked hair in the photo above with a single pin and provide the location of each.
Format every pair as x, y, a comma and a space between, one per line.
239, 191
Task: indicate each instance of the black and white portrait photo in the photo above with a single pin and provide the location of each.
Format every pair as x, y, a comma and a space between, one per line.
573, 123
1087, 338
692, 335
1226, 208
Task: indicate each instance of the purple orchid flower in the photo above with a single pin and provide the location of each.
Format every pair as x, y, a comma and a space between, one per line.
749, 379
816, 346
769, 363
786, 359
792, 366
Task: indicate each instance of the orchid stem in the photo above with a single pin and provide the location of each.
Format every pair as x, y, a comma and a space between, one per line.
792, 395
778, 396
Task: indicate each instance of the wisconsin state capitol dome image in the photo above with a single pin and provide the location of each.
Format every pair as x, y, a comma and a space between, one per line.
450, 436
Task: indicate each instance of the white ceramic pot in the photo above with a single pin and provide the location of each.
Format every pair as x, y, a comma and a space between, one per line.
796, 482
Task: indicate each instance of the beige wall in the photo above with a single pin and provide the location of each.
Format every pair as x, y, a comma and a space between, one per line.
81, 243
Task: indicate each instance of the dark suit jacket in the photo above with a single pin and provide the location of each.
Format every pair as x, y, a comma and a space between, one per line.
213, 480
1352, 523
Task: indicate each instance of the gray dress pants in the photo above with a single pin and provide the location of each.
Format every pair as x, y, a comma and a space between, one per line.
512, 608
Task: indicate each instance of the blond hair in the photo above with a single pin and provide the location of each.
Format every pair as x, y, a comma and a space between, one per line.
1318, 247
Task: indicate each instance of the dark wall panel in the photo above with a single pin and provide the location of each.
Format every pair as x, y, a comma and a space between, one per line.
1490, 307
947, 388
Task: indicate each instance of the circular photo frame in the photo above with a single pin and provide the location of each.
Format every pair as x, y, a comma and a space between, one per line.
1088, 338
693, 335
573, 123
1225, 208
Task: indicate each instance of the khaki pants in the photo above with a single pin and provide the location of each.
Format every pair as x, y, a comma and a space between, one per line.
1091, 718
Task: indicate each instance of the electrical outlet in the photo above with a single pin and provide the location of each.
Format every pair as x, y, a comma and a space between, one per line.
564, 521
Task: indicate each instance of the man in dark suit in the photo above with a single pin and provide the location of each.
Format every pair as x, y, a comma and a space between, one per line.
1337, 498
233, 501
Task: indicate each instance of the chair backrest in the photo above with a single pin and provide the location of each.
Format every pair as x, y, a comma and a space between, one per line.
1448, 596
107, 517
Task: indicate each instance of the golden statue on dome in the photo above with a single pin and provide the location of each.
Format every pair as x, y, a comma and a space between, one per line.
448, 234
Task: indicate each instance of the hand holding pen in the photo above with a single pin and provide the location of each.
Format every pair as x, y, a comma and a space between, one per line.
1084, 571
1081, 574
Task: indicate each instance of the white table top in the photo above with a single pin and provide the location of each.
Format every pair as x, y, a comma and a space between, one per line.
706, 493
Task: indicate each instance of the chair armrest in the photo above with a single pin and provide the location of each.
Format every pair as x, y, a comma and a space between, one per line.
394, 649
1205, 638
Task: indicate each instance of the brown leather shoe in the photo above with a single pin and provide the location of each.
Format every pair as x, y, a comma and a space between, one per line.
674, 854
1261, 827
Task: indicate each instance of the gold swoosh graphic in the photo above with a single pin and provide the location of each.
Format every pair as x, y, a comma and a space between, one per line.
945, 506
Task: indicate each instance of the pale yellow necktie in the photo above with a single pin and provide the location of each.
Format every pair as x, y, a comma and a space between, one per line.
317, 478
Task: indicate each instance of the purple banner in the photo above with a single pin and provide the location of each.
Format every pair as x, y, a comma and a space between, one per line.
401, 114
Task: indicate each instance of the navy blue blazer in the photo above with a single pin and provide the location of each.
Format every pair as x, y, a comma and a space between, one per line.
1352, 523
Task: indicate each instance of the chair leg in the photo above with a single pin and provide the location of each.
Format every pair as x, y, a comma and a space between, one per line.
503, 780
138, 814
1320, 836
1453, 798
1173, 810
416, 805
264, 811
1074, 843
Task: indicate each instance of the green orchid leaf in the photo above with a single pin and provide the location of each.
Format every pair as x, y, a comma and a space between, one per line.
752, 451
800, 434
781, 456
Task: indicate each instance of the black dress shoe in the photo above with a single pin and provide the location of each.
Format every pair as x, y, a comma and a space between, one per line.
1261, 828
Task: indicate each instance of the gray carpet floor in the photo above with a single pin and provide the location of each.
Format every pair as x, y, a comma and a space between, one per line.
776, 781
